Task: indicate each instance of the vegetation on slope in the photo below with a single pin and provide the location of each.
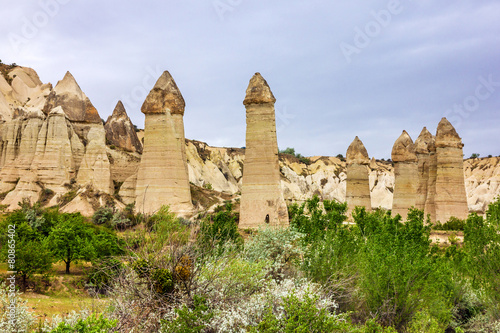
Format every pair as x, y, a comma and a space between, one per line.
166, 274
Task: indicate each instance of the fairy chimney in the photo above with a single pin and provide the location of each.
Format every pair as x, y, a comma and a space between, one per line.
357, 182
423, 160
262, 201
405, 175
451, 198
162, 178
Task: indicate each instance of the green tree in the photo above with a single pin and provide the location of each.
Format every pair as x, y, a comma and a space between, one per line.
400, 272
288, 150
26, 242
71, 240
32, 257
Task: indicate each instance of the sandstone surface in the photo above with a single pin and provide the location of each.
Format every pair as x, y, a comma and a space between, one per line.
423, 158
405, 175
262, 201
54, 161
451, 198
162, 178
120, 131
95, 167
357, 181
77, 106
430, 204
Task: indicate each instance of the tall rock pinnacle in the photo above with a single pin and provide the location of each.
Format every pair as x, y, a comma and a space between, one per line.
423, 159
405, 175
262, 201
451, 198
357, 182
120, 131
162, 178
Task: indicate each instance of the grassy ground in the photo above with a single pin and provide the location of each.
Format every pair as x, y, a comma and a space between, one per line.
60, 293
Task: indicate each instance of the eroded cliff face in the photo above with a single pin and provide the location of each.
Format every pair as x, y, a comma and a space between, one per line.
46, 136
221, 169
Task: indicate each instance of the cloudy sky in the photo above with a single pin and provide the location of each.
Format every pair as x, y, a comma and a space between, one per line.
337, 68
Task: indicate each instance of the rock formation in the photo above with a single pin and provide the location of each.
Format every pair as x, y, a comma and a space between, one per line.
451, 198
77, 106
120, 131
405, 175
95, 168
262, 199
20, 148
482, 182
357, 182
423, 159
54, 161
430, 205
162, 178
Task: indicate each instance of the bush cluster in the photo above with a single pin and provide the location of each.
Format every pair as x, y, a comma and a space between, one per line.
321, 274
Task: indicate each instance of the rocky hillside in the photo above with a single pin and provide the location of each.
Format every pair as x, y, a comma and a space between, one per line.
221, 170
55, 149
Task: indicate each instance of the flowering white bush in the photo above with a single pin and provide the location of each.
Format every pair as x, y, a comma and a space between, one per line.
71, 319
23, 319
236, 317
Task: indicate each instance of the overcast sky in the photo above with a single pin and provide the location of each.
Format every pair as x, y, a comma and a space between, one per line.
337, 68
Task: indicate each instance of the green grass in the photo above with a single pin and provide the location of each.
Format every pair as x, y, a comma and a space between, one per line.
46, 306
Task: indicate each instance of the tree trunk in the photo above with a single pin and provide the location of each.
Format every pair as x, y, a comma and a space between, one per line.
24, 283
69, 261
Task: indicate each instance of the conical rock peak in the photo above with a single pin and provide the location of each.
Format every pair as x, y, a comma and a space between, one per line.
119, 111
258, 91
404, 149
164, 96
447, 136
423, 141
356, 153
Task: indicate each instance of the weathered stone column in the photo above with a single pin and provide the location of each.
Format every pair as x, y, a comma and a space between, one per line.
162, 178
430, 205
405, 175
451, 198
357, 182
262, 201
423, 160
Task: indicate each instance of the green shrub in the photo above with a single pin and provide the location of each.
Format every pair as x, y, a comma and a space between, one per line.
163, 281
399, 272
493, 213
316, 222
103, 215
102, 274
280, 247
91, 324
217, 229
189, 319
141, 267
300, 316
453, 223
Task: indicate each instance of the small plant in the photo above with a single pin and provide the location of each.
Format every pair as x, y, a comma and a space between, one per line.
474, 155
163, 281
190, 319
67, 197
217, 229
208, 186
141, 267
91, 324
